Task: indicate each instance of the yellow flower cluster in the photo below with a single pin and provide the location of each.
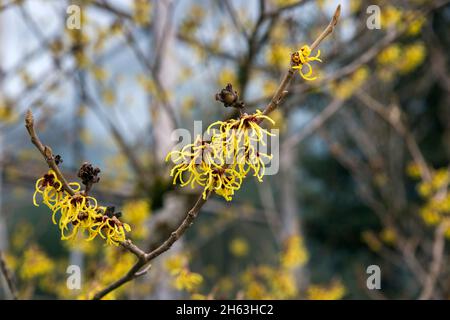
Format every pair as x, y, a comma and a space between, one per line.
176, 263
278, 54
391, 17
302, 58
375, 240
294, 254
142, 12
413, 170
35, 264
137, 212
440, 180
410, 20
265, 282
283, 3
239, 247
344, 88
227, 75
372, 241
7, 114
437, 206
388, 235
78, 212
436, 209
335, 291
177, 266
221, 163
193, 20
400, 59
187, 280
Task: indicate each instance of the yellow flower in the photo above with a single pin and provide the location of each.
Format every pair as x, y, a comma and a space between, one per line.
372, 241
294, 254
388, 235
239, 247
49, 187
109, 97
240, 139
137, 212
176, 264
147, 84
415, 27
345, 88
35, 264
78, 212
412, 57
141, 12
283, 285
278, 55
283, 3
203, 165
187, 280
109, 228
256, 291
302, 58
440, 179
220, 164
335, 291
389, 55
226, 76
425, 189
413, 170
21, 235
391, 16
355, 6
430, 217
100, 74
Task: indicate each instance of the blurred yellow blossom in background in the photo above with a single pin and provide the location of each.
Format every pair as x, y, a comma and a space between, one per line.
335, 291
294, 254
137, 212
35, 263
187, 280
176, 263
142, 12
344, 88
278, 55
372, 240
239, 247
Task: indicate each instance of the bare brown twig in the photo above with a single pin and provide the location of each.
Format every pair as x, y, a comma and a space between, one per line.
46, 152
8, 277
436, 264
394, 118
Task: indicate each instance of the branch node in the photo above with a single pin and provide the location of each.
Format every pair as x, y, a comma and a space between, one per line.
48, 153
143, 271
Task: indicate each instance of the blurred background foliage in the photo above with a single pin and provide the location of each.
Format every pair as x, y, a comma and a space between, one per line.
364, 149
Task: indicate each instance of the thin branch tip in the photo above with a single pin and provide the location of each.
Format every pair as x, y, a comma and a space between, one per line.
29, 120
336, 15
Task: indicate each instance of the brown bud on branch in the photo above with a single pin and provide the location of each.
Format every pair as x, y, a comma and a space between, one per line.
88, 175
229, 97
